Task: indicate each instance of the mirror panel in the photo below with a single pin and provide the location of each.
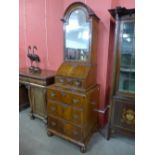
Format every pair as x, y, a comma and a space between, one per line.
77, 36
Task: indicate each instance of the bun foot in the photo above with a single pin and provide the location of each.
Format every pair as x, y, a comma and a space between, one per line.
49, 134
32, 117
83, 149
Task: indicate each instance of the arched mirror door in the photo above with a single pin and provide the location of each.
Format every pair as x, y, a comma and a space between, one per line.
77, 36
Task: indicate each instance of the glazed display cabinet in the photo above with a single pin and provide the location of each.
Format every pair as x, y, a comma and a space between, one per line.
122, 113
74, 96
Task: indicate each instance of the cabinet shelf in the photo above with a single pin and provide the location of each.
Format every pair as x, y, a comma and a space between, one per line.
127, 70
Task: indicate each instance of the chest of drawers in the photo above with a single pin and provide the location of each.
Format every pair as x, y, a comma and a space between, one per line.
71, 113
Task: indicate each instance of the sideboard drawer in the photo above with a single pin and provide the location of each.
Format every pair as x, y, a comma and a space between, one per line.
32, 81
37, 81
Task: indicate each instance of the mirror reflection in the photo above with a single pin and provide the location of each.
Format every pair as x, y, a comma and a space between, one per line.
77, 35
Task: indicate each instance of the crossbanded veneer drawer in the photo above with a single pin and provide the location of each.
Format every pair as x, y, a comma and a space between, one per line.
70, 82
55, 124
53, 94
66, 112
78, 116
72, 131
65, 128
52, 108
65, 97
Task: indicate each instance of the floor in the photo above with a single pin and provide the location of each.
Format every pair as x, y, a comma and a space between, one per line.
33, 140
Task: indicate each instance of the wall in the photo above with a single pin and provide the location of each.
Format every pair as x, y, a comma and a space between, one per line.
40, 25
127, 3
123, 3
22, 54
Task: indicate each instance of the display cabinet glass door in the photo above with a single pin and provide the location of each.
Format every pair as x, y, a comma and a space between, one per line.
127, 57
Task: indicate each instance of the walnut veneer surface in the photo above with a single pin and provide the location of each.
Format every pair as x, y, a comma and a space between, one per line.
72, 100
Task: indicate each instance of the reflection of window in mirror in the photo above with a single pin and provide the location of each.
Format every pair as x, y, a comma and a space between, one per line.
77, 36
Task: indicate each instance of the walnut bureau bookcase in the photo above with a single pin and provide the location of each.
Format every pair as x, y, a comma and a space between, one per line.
122, 113
36, 84
75, 94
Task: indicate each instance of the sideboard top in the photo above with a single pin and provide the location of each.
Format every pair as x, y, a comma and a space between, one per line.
45, 74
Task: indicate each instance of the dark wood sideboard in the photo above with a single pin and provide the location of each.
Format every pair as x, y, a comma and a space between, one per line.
36, 84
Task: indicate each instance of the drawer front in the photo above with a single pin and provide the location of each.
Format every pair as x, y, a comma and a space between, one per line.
32, 80
37, 81
52, 108
55, 124
64, 111
72, 131
25, 79
70, 81
77, 100
66, 97
59, 95
77, 83
53, 94
65, 128
60, 80
77, 116
64, 80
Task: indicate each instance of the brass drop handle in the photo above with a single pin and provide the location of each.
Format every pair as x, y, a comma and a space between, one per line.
75, 116
93, 102
53, 124
77, 83
61, 80
69, 80
75, 101
63, 110
53, 94
53, 108
63, 94
75, 133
